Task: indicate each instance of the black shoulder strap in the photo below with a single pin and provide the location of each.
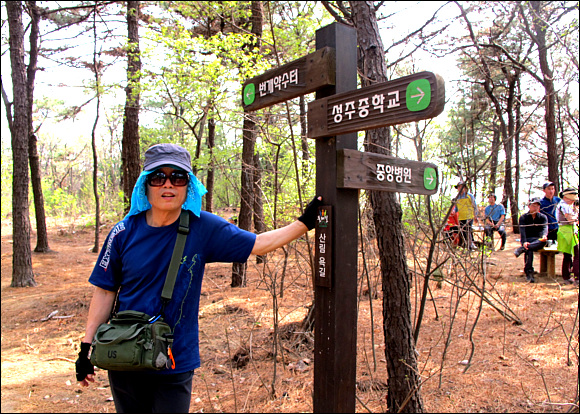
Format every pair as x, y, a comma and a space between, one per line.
182, 233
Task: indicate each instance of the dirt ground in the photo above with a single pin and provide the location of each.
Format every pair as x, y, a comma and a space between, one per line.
527, 368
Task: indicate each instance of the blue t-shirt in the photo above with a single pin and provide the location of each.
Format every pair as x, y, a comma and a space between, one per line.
136, 256
494, 212
548, 208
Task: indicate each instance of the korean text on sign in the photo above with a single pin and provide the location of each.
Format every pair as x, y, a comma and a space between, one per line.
278, 82
393, 173
362, 107
322, 259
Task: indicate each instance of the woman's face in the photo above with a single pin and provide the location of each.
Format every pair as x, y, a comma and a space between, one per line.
167, 197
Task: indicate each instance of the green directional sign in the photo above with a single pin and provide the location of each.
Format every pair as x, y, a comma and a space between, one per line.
249, 94
418, 95
430, 178
370, 171
407, 99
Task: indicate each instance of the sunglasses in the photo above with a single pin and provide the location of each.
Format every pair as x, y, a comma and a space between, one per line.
177, 178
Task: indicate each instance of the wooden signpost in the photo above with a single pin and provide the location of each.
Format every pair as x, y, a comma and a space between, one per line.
334, 118
335, 293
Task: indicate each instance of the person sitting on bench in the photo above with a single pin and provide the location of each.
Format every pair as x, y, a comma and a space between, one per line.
533, 235
494, 218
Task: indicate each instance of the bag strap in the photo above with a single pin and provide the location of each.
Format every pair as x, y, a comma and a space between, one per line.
182, 233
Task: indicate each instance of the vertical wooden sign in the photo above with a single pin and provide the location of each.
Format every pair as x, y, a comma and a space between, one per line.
323, 253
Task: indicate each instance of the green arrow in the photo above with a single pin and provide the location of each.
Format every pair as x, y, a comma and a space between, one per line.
430, 178
418, 95
249, 94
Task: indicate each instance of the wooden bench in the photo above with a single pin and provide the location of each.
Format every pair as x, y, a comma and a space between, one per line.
548, 260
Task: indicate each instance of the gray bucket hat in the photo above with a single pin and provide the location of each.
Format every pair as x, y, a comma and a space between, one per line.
167, 154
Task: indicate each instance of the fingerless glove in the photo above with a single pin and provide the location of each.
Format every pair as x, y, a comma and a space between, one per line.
83, 364
311, 213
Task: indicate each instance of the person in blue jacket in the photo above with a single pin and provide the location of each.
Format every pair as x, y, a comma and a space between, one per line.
133, 264
548, 205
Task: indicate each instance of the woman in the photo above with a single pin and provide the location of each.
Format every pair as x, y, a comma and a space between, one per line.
133, 266
567, 215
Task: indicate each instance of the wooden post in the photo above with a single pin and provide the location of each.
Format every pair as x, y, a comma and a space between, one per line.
335, 306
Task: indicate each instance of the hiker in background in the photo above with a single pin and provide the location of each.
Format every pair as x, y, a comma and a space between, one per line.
567, 214
132, 267
466, 208
548, 205
451, 230
533, 235
494, 218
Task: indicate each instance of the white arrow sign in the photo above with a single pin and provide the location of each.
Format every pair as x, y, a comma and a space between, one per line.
422, 94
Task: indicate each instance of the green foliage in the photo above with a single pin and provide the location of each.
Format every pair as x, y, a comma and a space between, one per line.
6, 182
59, 203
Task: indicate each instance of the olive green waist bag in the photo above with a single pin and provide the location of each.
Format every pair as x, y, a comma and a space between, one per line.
135, 341
131, 341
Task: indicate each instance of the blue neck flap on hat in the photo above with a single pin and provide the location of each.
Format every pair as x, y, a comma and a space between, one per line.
140, 203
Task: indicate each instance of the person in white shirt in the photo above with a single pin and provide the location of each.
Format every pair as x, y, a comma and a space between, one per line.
567, 215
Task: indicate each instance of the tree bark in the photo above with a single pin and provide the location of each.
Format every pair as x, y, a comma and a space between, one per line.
403, 381
130, 147
249, 140
493, 162
22, 274
259, 226
550, 93
209, 185
35, 176
96, 69
247, 189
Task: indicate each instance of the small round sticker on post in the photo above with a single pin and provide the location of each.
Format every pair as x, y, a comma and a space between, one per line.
430, 178
249, 94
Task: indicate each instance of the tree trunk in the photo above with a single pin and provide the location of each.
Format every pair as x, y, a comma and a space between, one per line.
36, 179
35, 176
518, 115
247, 188
549, 103
493, 163
210, 169
259, 226
22, 274
508, 141
403, 381
249, 139
96, 246
130, 148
